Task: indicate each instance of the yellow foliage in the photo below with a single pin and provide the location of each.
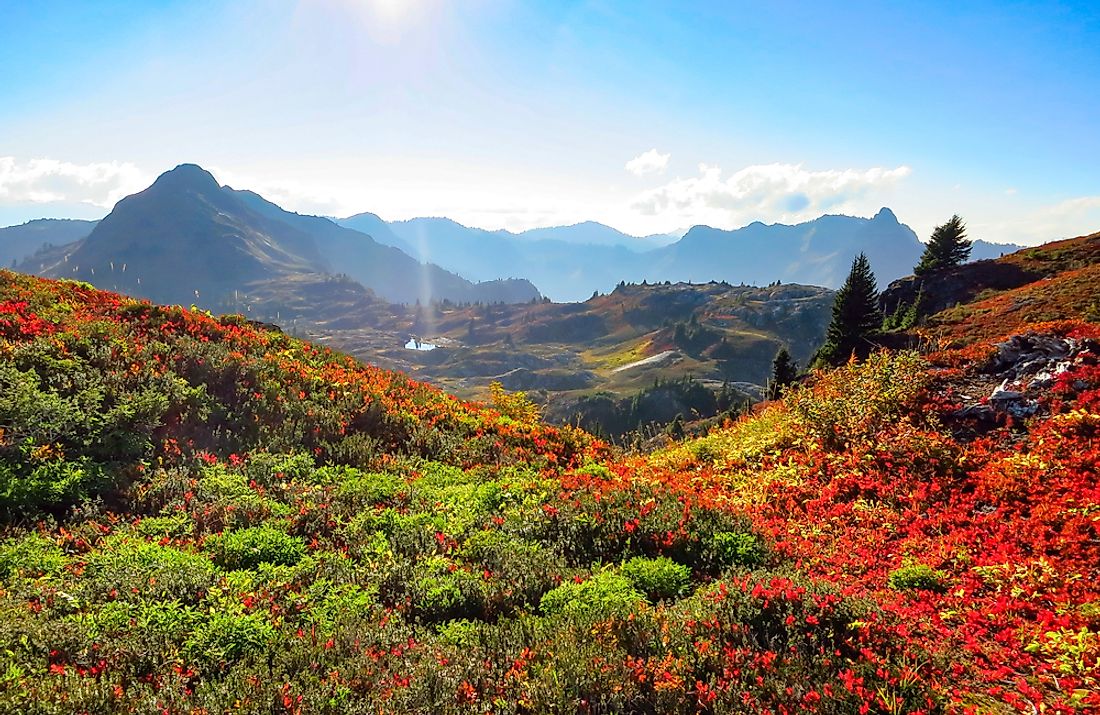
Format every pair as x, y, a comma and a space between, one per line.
512, 404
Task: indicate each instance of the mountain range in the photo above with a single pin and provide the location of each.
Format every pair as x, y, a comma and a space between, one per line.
186, 239
570, 263
185, 233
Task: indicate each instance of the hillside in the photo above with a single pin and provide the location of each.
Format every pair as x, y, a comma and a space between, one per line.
985, 299
205, 513
573, 357
187, 240
19, 242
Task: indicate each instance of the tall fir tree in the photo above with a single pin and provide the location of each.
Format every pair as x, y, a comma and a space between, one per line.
784, 372
947, 247
856, 316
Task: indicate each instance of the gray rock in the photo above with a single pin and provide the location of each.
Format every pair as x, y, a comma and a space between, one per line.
1004, 394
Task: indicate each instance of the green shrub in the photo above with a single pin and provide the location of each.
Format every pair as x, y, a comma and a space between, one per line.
169, 621
27, 487
442, 591
605, 595
918, 577
659, 579
173, 525
267, 469
30, 555
460, 634
361, 489
855, 402
226, 638
333, 604
127, 568
236, 504
248, 548
731, 548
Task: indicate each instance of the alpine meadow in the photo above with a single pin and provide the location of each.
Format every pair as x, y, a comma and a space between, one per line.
578, 357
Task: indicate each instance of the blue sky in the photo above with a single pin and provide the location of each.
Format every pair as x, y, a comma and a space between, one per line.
506, 114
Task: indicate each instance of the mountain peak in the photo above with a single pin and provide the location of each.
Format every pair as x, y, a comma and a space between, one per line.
188, 176
884, 214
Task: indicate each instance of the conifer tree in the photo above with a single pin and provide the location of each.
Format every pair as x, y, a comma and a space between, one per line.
675, 429
856, 316
784, 372
948, 246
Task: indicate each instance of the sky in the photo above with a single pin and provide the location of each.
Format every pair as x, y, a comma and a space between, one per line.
648, 116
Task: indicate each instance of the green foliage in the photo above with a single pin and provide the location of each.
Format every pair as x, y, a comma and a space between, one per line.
856, 317
30, 556
659, 578
132, 569
907, 315
736, 548
42, 481
66, 427
225, 638
248, 548
918, 577
855, 402
947, 247
170, 526
444, 591
605, 595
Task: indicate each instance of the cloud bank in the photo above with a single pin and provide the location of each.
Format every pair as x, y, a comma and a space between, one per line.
649, 162
776, 192
48, 180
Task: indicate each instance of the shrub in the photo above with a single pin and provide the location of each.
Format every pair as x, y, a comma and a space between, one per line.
172, 525
460, 634
226, 638
659, 579
266, 469
856, 401
918, 577
356, 489
729, 548
248, 548
30, 486
162, 571
231, 502
442, 591
31, 555
605, 595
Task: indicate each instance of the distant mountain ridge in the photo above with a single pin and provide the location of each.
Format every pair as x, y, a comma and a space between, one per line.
186, 239
22, 241
571, 263
221, 236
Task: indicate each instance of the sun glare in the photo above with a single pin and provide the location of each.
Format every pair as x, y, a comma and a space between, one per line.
392, 14
391, 10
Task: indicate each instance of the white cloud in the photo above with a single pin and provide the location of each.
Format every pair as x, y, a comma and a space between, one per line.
1078, 216
769, 192
49, 180
649, 162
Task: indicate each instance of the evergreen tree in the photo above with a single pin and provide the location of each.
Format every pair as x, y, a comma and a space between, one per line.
675, 429
948, 247
856, 316
784, 372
